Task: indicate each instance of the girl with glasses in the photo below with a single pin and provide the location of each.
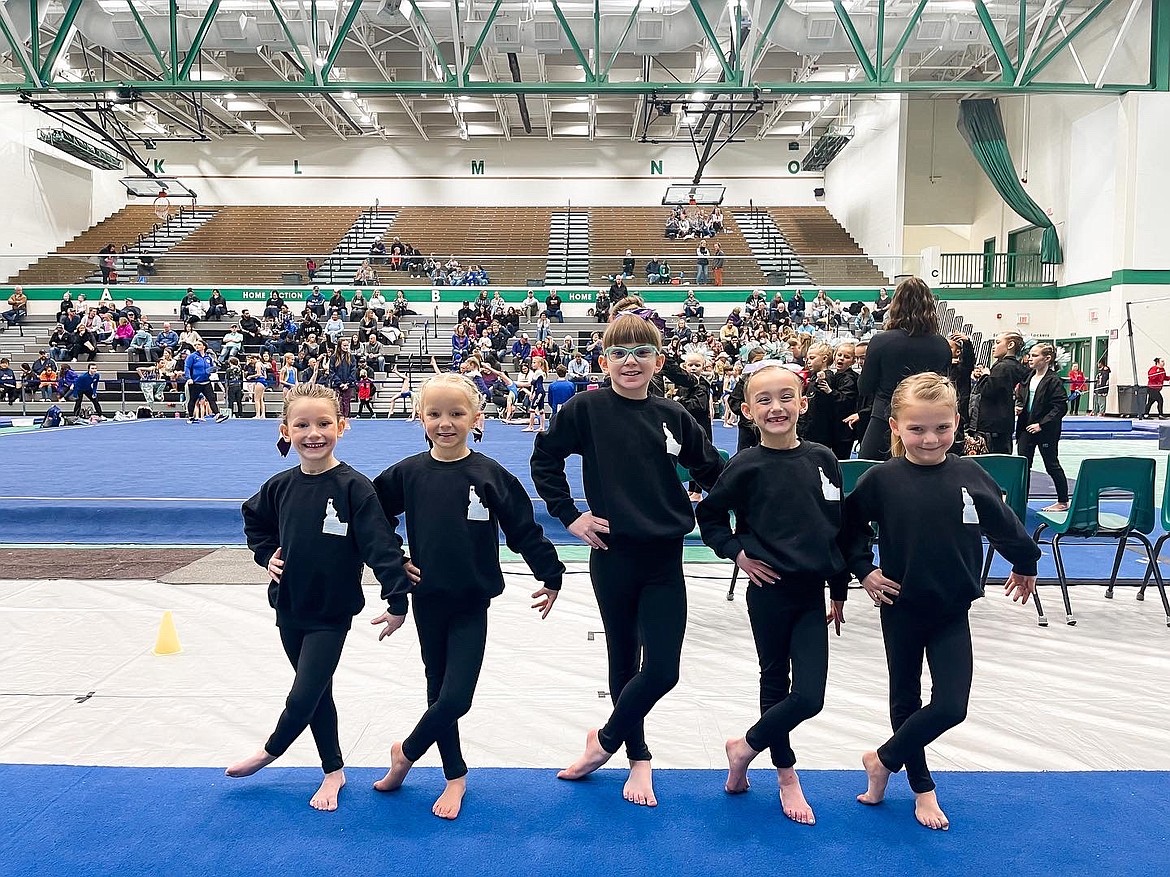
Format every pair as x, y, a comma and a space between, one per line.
637, 517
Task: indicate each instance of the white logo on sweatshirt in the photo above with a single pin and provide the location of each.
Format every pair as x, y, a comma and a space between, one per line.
476, 510
970, 514
333, 525
672, 446
829, 490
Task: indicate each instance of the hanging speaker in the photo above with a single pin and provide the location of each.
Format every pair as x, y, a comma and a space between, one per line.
819, 192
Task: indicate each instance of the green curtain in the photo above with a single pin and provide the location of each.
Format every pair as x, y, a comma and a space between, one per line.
981, 125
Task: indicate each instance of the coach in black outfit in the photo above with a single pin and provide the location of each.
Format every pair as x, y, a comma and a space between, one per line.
909, 344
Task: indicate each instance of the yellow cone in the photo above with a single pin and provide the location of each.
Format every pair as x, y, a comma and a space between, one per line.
168, 638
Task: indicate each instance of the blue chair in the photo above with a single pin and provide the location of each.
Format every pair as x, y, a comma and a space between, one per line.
851, 470
1085, 520
1011, 474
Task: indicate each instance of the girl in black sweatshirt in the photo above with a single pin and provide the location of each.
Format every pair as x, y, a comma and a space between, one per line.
1042, 402
312, 528
787, 566
455, 503
629, 442
930, 509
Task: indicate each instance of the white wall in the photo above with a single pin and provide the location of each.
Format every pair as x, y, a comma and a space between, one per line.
523, 172
49, 197
863, 185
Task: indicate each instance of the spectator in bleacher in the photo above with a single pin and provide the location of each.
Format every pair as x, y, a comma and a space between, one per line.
796, 307
729, 337
189, 299
217, 306
391, 331
343, 375
65, 306
339, 305
310, 371
819, 310
84, 345
673, 228
365, 273
108, 262
498, 305
397, 255
664, 275
86, 386
9, 388
716, 220
311, 268
401, 306
167, 339
552, 307
717, 263
107, 330
123, 333
692, 307
378, 252
315, 301
578, 371
652, 275
881, 304
617, 291
415, 262
131, 312
628, 264
151, 382
530, 306
521, 350
17, 308
233, 344
250, 327
273, 305
373, 351
170, 368
702, 264
862, 324
543, 327
310, 349
367, 326
592, 352
60, 343
189, 339
357, 304
70, 321
378, 304
460, 345
682, 332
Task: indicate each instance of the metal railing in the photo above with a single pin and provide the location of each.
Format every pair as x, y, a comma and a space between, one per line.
996, 270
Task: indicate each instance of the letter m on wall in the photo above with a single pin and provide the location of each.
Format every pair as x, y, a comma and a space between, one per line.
477, 167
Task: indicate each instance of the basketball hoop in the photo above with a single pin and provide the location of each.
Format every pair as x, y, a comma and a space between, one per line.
162, 206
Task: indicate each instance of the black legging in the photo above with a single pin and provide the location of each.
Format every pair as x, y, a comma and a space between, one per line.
1153, 397
946, 643
643, 602
314, 655
875, 444
999, 442
1048, 443
201, 389
787, 633
452, 637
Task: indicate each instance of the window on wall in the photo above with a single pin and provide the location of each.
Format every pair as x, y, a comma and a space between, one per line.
1024, 265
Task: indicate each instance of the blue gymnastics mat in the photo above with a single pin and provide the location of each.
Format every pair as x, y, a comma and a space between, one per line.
74, 821
166, 481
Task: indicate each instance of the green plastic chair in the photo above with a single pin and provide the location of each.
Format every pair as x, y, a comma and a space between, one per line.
1011, 474
851, 470
1085, 520
1158, 546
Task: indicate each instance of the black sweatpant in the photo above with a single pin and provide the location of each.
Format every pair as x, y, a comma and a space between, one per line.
235, 399
788, 625
643, 601
314, 654
875, 444
452, 637
946, 643
201, 389
1153, 397
92, 396
704, 420
1049, 446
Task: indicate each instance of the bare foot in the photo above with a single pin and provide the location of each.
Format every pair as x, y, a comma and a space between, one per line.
928, 813
250, 765
451, 801
593, 758
639, 788
739, 756
792, 800
326, 796
400, 766
878, 775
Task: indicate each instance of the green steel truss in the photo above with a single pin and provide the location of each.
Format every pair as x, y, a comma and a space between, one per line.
37, 39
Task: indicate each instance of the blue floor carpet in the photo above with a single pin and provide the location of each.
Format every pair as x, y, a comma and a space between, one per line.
191, 823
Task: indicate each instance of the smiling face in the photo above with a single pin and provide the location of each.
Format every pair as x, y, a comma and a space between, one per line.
630, 368
774, 401
448, 416
927, 430
312, 427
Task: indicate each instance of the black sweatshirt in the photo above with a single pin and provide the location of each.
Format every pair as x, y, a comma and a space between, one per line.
787, 507
454, 513
692, 392
628, 450
929, 520
326, 526
895, 354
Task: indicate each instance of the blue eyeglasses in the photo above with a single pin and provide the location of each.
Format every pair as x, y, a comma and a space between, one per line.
642, 352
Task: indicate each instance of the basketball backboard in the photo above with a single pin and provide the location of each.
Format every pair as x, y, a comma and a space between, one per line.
690, 193
151, 187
